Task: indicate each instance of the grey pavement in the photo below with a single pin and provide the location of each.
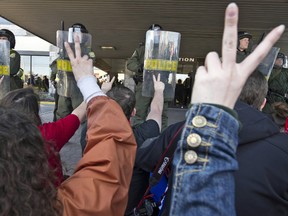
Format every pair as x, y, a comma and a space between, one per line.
71, 152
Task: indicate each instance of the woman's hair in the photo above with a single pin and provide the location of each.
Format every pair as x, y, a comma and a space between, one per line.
25, 100
280, 113
25, 184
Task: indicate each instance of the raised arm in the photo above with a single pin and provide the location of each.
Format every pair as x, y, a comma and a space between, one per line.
156, 107
99, 185
80, 111
204, 161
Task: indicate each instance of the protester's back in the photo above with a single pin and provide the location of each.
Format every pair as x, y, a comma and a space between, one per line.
262, 178
148, 129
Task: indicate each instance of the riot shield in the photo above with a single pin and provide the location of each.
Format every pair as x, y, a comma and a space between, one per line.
266, 66
286, 62
161, 56
4, 67
66, 83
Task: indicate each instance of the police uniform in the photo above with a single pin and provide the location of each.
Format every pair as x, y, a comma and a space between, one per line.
53, 75
278, 88
135, 64
15, 80
241, 55
70, 96
66, 105
14, 62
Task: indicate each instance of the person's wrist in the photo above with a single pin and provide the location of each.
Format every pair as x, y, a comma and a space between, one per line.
225, 108
89, 87
159, 90
83, 77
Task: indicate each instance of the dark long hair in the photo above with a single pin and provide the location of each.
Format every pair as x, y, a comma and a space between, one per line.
24, 100
25, 184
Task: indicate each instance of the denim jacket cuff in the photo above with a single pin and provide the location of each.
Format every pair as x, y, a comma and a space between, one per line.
214, 123
204, 162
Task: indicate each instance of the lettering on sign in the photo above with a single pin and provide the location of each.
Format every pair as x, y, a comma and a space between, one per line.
187, 59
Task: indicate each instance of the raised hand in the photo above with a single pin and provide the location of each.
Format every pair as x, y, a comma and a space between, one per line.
158, 85
106, 86
81, 65
221, 82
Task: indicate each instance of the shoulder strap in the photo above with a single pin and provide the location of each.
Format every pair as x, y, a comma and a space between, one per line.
161, 166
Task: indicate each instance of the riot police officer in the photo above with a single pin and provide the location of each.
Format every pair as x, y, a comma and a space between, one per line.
68, 102
135, 64
244, 39
15, 80
277, 84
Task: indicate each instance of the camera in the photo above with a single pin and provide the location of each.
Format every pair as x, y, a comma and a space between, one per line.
148, 208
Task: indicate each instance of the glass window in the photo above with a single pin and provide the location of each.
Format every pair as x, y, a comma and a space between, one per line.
40, 65
25, 63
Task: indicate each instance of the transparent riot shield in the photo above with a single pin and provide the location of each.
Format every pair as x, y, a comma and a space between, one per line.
66, 83
4, 67
161, 56
266, 66
286, 62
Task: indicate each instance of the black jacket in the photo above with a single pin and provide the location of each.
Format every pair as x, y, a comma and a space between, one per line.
262, 178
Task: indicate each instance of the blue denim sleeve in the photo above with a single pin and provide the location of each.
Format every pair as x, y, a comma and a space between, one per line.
203, 165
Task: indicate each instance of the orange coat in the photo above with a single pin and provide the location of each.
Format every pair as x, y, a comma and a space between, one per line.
100, 183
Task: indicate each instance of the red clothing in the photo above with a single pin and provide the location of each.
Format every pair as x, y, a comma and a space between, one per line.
58, 134
286, 126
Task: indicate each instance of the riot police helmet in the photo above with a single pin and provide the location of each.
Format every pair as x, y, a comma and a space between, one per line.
244, 34
155, 27
281, 56
80, 26
11, 37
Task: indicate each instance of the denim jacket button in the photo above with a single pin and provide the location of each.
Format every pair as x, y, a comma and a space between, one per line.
199, 121
190, 157
194, 140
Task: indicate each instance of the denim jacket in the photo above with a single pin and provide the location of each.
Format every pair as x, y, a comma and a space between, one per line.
203, 165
